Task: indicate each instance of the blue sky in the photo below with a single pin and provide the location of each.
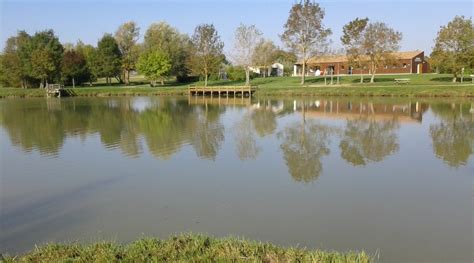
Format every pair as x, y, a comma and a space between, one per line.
418, 20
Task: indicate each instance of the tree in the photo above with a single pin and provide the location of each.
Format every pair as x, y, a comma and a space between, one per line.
88, 52
286, 58
264, 55
108, 58
379, 43
155, 65
305, 32
42, 65
454, 48
352, 39
74, 68
127, 36
45, 53
161, 36
206, 55
245, 40
13, 68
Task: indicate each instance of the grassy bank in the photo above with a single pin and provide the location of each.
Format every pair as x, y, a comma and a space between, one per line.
428, 85
185, 248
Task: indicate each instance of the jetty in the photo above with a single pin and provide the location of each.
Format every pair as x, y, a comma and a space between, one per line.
219, 91
54, 90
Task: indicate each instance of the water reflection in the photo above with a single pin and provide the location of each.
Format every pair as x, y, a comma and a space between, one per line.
453, 137
303, 146
367, 140
364, 130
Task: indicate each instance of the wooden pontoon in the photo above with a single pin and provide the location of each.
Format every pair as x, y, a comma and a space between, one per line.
221, 90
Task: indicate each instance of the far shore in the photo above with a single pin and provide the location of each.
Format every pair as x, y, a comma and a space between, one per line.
427, 85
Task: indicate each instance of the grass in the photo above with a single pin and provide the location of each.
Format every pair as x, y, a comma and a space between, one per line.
425, 85
184, 248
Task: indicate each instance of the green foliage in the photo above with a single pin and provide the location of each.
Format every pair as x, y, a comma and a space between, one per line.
206, 54
127, 37
154, 65
46, 56
304, 31
235, 73
353, 41
454, 48
74, 66
167, 39
107, 59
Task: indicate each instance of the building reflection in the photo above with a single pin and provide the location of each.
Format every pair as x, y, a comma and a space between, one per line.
409, 112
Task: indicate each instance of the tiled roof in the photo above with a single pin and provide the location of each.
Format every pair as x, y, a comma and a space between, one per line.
343, 58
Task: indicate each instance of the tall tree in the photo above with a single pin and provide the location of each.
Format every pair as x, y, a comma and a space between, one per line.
74, 68
127, 36
353, 38
305, 32
45, 55
14, 71
206, 55
88, 52
155, 65
264, 55
454, 47
379, 43
108, 58
245, 40
161, 36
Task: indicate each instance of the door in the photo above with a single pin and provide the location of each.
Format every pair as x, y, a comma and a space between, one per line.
419, 68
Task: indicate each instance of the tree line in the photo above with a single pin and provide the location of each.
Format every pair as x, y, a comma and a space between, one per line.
35, 60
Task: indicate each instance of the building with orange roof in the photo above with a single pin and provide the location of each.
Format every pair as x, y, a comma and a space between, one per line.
406, 62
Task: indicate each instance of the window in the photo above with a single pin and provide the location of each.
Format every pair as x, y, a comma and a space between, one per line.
386, 67
342, 67
404, 65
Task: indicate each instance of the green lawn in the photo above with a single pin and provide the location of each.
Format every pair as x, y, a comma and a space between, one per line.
184, 248
426, 85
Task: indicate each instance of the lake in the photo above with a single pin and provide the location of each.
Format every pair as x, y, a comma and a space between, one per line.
388, 176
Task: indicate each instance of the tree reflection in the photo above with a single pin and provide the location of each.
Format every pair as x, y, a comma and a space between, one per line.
264, 121
208, 133
453, 137
303, 146
166, 124
367, 140
246, 144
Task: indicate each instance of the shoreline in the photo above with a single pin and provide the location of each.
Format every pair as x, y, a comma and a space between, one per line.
186, 247
459, 91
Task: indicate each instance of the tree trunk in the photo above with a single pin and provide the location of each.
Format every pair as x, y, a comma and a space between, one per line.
372, 78
73, 83
361, 77
247, 76
126, 77
205, 77
454, 79
162, 81
303, 72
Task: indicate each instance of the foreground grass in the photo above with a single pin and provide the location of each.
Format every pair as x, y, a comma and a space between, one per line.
184, 248
428, 85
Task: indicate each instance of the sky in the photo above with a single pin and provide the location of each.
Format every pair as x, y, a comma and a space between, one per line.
88, 20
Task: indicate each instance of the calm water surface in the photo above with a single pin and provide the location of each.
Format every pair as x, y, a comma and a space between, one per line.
392, 175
